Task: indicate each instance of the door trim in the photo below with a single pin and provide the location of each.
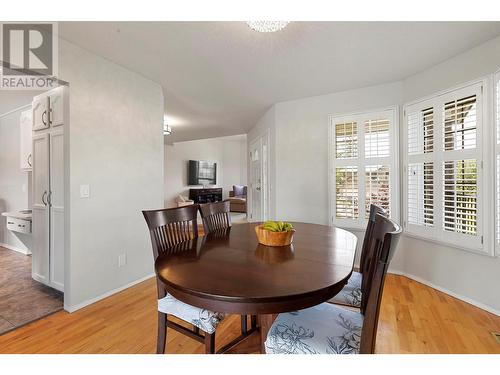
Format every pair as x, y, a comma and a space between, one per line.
265, 201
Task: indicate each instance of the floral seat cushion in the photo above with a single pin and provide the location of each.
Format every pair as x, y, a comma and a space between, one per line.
322, 329
350, 294
205, 320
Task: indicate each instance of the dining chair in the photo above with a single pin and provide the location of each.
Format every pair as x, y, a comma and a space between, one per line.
332, 329
350, 295
174, 230
216, 217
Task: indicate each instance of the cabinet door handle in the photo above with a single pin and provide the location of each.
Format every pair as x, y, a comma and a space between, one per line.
44, 115
43, 196
29, 160
49, 198
50, 116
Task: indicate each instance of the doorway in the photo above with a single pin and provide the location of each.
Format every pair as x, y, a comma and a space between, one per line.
259, 178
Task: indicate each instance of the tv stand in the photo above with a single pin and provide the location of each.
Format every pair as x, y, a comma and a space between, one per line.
206, 195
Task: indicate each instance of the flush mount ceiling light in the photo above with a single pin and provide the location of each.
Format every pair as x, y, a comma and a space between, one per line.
267, 26
167, 130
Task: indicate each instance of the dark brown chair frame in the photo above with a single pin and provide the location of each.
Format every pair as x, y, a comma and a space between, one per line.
382, 245
169, 230
374, 210
217, 216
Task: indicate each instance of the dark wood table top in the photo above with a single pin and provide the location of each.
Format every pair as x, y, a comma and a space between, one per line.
229, 271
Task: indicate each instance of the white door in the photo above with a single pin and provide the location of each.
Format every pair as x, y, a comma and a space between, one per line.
40, 220
56, 203
256, 179
40, 109
56, 103
26, 145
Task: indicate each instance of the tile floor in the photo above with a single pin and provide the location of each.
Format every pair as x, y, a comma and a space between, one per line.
22, 299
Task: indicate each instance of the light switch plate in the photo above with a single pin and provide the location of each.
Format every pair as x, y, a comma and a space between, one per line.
84, 191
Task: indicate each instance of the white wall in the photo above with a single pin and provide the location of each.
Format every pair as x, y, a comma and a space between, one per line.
299, 140
115, 141
473, 277
228, 152
14, 183
302, 150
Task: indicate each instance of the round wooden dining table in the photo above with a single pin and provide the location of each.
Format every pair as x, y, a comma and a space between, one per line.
228, 271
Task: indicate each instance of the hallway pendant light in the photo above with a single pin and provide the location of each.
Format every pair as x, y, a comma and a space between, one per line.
267, 26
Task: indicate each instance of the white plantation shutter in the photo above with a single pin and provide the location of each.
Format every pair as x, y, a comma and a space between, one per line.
442, 162
377, 138
377, 189
347, 192
363, 166
346, 140
421, 131
460, 196
420, 198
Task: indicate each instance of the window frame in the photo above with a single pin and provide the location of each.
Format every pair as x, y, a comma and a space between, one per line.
361, 162
496, 161
482, 242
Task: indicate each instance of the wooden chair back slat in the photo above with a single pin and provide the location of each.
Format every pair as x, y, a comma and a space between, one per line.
383, 243
215, 216
168, 227
374, 210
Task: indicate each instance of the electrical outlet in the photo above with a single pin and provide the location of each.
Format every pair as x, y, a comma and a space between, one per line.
122, 260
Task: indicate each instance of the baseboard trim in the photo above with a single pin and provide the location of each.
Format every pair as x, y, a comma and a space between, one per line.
91, 301
17, 249
480, 305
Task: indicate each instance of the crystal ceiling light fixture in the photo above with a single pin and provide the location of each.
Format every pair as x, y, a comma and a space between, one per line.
267, 26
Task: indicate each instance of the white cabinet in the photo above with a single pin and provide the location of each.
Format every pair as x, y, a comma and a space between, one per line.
56, 203
56, 107
40, 208
48, 109
26, 138
40, 109
18, 225
48, 192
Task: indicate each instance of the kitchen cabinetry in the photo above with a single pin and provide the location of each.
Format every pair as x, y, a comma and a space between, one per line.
26, 139
48, 188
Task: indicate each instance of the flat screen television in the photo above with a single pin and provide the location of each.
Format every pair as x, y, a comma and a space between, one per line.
201, 172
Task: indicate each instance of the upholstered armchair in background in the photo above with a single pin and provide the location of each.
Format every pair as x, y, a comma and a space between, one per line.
238, 199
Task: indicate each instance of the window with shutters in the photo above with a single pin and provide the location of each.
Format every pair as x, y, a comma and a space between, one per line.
363, 166
442, 162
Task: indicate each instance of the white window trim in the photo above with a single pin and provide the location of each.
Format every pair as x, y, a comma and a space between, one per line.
393, 114
486, 228
496, 153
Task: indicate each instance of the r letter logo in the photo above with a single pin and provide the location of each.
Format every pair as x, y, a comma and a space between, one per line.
29, 58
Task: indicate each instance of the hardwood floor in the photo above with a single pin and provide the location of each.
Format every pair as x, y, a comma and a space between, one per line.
414, 319
23, 300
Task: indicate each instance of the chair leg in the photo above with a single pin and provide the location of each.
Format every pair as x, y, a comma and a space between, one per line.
253, 321
162, 333
244, 328
210, 343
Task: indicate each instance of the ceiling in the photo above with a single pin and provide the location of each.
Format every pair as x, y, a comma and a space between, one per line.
219, 78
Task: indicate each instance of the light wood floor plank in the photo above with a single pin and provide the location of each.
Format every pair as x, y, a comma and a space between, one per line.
413, 319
